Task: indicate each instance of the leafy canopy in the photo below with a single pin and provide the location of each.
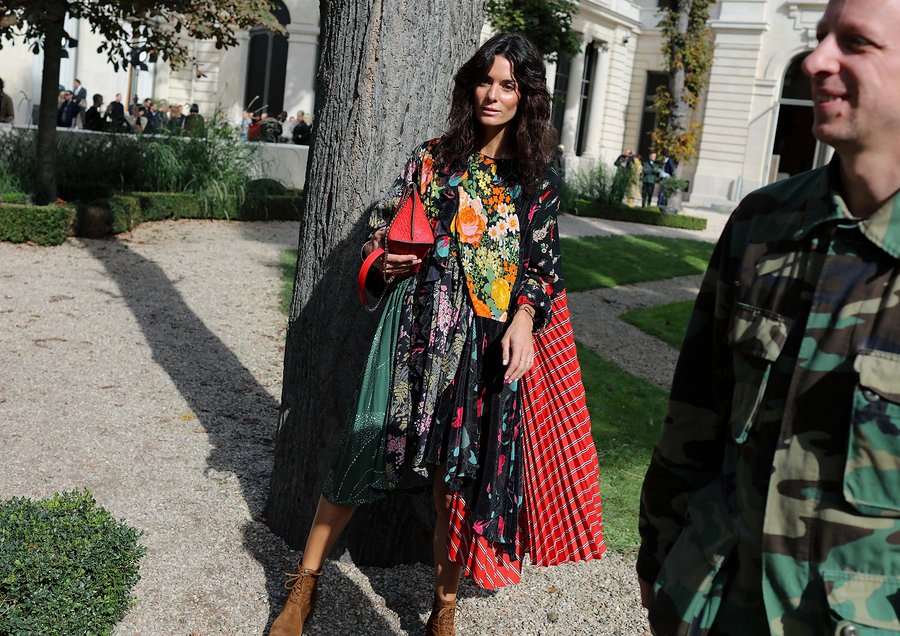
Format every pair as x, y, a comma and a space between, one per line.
159, 27
688, 50
547, 23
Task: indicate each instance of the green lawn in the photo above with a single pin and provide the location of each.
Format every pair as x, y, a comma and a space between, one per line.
666, 322
626, 414
607, 261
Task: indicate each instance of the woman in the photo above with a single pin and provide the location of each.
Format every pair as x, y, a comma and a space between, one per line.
441, 403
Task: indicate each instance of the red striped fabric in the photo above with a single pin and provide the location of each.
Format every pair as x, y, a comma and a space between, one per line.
561, 518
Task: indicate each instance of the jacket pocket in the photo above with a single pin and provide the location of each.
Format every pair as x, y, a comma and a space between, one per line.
867, 602
691, 581
757, 337
872, 469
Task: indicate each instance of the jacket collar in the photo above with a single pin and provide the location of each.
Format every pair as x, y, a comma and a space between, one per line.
826, 204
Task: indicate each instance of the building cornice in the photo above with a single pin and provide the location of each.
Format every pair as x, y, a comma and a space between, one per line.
620, 13
720, 26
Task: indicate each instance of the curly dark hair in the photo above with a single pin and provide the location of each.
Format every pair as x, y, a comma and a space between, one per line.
532, 134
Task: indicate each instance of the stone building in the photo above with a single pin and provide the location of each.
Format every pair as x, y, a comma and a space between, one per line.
756, 115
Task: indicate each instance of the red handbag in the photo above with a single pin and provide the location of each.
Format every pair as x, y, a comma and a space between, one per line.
409, 233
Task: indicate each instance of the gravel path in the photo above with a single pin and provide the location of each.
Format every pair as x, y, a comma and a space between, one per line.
148, 369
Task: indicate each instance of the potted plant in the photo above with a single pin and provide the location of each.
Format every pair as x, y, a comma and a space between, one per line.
671, 189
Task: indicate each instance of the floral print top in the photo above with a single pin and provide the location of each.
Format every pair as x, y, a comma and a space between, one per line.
487, 225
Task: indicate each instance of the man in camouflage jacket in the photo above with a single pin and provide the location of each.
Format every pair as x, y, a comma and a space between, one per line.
772, 502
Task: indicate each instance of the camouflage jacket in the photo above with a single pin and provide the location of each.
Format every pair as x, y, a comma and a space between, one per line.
772, 502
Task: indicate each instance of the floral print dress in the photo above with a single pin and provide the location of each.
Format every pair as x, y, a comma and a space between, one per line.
448, 407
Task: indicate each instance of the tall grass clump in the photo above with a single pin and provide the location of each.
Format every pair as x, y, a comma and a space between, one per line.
212, 163
599, 182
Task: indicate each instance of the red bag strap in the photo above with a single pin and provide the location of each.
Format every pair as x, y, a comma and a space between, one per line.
363, 274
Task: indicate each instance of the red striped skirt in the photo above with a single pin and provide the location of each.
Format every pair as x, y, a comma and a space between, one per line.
560, 519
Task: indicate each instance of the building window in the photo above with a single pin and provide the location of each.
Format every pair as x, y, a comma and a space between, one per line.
590, 62
655, 79
267, 65
560, 87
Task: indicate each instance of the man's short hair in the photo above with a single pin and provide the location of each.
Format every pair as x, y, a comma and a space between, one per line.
78, 80
195, 108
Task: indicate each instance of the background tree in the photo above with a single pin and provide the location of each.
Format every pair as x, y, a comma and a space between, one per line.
687, 49
547, 23
384, 84
158, 27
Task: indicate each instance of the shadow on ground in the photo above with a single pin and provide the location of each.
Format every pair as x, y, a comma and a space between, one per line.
239, 415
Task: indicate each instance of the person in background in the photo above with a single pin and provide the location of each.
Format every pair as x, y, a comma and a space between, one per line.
194, 124
176, 119
302, 132
635, 175
624, 161
115, 114
7, 112
67, 112
668, 170
93, 120
772, 501
246, 120
649, 179
79, 96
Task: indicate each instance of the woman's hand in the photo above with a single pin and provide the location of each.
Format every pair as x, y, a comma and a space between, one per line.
518, 345
393, 265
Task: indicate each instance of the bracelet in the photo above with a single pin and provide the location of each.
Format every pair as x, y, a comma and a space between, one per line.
528, 309
362, 251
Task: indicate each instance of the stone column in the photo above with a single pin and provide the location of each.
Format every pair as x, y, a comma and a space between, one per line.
597, 102
303, 47
573, 101
551, 77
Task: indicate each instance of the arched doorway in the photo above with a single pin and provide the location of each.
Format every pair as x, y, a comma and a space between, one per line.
795, 149
267, 65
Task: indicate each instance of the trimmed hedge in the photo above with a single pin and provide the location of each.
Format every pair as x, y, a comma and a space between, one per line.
66, 566
156, 206
123, 212
649, 216
41, 224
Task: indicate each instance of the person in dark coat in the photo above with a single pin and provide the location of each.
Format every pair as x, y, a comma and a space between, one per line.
93, 120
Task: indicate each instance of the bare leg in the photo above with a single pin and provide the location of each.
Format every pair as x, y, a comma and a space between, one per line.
446, 572
330, 521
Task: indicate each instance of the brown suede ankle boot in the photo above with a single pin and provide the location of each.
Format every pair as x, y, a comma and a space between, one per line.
440, 623
300, 604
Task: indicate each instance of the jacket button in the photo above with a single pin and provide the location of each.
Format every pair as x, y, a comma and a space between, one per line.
849, 630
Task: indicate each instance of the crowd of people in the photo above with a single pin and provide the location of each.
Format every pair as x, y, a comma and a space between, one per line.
152, 116
644, 176
276, 128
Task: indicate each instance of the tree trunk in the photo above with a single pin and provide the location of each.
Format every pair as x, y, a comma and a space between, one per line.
384, 84
54, 31
681, 112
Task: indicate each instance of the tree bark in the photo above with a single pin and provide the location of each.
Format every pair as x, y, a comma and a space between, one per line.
681, 112
45, 192
383, 86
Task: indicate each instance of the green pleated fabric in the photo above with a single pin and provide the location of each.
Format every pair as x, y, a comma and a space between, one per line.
357, 474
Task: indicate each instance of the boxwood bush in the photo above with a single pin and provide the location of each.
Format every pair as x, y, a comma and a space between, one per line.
67, 566
649, 216
41, 224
